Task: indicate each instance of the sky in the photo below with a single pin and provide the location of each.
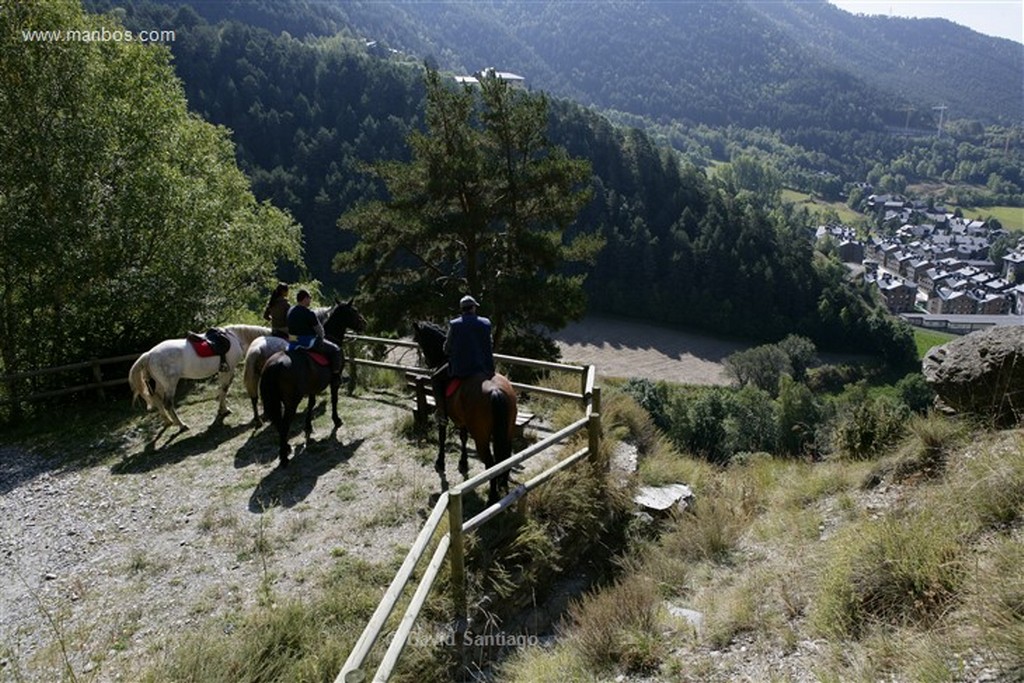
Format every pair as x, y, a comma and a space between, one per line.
1001, 18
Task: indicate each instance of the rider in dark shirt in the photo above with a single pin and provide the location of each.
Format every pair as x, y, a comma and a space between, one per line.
469, 350
306, 332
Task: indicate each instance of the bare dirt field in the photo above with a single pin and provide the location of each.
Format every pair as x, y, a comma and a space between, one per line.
621, 348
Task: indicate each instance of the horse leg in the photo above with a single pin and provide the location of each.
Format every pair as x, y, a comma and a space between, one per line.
282, 431
171, 393
225, 378
442, 436
496, 484
309, 416
335, 384
256, 411
464, 455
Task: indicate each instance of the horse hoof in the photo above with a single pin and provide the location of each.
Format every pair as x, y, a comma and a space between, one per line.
337, 423
226, 411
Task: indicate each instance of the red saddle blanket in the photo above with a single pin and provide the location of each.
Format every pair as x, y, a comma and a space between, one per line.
453, 385
318, 358
202, 347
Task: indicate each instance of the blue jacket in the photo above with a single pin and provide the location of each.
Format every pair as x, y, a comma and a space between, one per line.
468, 346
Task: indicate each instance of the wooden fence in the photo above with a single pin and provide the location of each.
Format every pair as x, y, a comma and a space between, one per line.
449, 505
97, 384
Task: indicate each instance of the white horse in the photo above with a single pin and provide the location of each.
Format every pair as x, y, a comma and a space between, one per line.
173, 359
255, 358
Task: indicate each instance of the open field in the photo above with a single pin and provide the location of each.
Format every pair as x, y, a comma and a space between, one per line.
819, 206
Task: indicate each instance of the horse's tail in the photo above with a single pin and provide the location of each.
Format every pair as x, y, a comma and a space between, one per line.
501, 427
270, 393
253, 366
138, 380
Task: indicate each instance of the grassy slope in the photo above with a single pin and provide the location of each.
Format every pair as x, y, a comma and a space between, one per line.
819, 206
926, 339
905, 567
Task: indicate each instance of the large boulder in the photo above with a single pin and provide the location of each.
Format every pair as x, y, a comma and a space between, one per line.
981, 373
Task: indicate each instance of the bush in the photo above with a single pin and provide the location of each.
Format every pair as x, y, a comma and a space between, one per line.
866, 427
652, 397
799, 414
915, 392
698, 425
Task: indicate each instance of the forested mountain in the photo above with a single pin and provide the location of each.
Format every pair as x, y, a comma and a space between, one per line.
309, 115
777, 64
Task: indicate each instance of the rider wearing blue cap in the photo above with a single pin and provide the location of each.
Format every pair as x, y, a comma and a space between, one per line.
469, 350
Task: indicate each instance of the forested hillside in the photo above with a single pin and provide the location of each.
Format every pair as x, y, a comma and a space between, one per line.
308, 116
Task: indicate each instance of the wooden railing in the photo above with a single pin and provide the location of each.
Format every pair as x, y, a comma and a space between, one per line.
449, 505
98, 382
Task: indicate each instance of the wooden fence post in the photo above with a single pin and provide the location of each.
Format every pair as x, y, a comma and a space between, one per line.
458, 562
97, 374
594, 427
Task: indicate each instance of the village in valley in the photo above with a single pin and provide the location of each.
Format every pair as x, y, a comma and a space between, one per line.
937, 269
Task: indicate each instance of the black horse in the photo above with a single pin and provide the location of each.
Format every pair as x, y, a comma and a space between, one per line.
482, 406
290, 375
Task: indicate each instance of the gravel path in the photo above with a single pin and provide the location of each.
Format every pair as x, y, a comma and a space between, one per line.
111, 549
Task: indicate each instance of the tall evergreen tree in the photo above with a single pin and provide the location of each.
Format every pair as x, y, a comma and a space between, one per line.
481, 208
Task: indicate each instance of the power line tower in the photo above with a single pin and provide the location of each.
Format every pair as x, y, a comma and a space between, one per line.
909, 109
942, 110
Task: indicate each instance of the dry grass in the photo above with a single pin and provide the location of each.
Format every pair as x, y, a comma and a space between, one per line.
618, 627
914, 577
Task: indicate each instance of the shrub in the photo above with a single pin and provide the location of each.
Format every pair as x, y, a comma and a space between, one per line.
698, 425
863, 429
652, 397
915, 392
752, 424
798, 415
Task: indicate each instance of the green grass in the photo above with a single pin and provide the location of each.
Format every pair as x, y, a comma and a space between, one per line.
820, 206
927, 339
1011, 217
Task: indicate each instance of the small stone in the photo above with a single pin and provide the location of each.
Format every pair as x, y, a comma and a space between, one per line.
50, 576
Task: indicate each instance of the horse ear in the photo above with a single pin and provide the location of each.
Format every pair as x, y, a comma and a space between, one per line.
350, 300
336, 302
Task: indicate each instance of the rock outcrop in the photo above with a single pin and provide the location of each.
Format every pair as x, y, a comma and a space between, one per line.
981, 374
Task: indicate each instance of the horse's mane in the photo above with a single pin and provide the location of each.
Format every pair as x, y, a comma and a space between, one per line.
430, 338
247, 333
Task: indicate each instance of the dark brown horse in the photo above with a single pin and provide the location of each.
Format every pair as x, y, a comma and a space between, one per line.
290, 375
484, 407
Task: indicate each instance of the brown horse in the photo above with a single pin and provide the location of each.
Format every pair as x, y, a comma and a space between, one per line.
290, 375
484, 407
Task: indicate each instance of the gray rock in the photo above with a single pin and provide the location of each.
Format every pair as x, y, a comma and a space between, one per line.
661, 498
981, 373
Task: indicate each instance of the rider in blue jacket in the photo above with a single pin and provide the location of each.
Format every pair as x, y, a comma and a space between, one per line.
469, 350
306, 331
